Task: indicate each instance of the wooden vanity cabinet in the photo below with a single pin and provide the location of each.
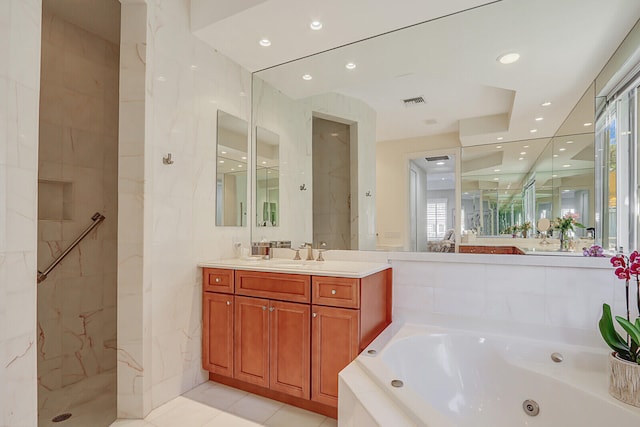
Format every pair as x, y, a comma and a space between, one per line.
217, 323
286, 336
347, 314
272, 345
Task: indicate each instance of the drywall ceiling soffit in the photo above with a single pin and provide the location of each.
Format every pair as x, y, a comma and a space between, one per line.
484, 162
236, 29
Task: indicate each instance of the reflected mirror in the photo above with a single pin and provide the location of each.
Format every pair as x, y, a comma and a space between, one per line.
231, 170
407, 92
267, 177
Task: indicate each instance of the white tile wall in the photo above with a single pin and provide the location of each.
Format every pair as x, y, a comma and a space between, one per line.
20, 24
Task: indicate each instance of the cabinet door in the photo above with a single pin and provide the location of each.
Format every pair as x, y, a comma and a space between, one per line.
251, 347
334, 344
217, 333
290, 363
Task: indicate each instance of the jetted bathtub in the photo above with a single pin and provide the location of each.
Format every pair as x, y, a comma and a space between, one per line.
452, 378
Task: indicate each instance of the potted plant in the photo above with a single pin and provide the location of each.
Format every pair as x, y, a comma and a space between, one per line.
525, 228
624, 362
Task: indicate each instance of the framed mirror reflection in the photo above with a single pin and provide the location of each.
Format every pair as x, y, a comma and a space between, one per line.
232, 145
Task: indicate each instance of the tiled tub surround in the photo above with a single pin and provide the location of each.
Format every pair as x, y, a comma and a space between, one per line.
78, 152
283, 329
460, 378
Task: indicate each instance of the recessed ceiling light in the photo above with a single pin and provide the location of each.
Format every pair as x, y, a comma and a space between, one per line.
523, 153
242, 94
521, 158
565, 191
194, 67
307, 77
562, 149
442, 179
264, 163
223, 152
508, 58
499, 147
496, 179
268, 171
265, 42
525, 146
440, 163
554, 176
555, 155
334, 134
588, 124
244, 157
500, 138
569, 142
239, 166
232, 169
533, 130
350, 66
315, 25
162, 79
566, 166
546, 104
496, 170
539, 119
221, 161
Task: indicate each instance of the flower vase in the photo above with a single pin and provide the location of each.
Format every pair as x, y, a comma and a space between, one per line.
564, 241
624, 380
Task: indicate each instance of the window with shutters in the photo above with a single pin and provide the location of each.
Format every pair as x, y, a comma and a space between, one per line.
436, 218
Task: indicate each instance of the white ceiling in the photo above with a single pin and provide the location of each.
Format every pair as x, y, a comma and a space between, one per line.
450, 61
235, 27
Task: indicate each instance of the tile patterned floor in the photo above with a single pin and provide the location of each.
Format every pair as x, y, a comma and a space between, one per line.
215, 405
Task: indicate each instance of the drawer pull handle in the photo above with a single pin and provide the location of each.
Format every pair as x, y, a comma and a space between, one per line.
271, 308
217, 280
228, 302
333, 291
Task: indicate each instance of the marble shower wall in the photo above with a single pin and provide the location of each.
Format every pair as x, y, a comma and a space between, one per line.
78, 154
19, 87
171, 87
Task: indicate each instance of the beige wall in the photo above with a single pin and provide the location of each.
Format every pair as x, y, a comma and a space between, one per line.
392, 183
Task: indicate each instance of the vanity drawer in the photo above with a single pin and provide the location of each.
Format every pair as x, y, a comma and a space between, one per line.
279, 286
217, 280
336, 291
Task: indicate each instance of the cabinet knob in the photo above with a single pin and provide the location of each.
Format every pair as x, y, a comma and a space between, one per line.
333, 291
271, 308
315, 314
228, 302
264, 307
217, 280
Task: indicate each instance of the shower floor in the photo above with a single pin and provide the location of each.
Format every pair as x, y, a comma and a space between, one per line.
92, 402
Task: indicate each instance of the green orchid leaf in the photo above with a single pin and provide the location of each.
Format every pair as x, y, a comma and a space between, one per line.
631, 329
609, 334
577, 224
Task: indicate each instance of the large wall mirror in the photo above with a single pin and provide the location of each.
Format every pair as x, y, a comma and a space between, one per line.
520, 135
231, 170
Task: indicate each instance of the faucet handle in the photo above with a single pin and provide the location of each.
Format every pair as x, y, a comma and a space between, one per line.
297, 256
321, 248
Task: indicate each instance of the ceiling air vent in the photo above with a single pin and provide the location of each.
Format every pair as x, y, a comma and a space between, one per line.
436, 158
412, 102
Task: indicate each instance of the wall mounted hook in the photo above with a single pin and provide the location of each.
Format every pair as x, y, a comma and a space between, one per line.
303, 187
167, 159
